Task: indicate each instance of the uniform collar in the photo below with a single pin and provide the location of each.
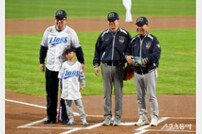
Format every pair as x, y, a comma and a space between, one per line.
115, 32
61, 30
71, 63
144, 36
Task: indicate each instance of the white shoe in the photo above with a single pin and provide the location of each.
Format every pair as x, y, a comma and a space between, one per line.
154, 122
116, 122
107, 122
141, 122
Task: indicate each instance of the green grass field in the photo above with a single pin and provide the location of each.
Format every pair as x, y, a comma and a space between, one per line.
177, 71
45, 9
176, 74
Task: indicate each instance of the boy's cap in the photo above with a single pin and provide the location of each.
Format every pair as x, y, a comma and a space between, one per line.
60, 14
112, 16
142, 20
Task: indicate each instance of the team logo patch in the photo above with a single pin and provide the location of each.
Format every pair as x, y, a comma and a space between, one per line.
111, 15
121, 39
56, 40
59, 12
158, 45
148, 44
69, 74
107, 39
140, 19
134, 45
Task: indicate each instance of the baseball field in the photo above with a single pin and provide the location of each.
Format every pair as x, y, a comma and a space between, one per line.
172, 22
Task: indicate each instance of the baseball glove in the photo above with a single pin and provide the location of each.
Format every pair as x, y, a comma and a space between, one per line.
128, 73
139, 61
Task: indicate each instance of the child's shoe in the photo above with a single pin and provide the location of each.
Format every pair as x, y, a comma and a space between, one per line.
85, 123
71, 122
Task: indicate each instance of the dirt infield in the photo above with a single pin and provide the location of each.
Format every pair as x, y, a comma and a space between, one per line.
19, 27
24, 114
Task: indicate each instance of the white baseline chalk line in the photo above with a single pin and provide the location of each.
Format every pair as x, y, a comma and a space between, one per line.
43, 107
142, 131
70, 131
24, 103
30, 124
76, 129
39, 121
53, 127
94, 126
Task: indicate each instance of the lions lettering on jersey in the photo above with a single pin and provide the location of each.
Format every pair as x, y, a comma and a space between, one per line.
55, 40
69, 74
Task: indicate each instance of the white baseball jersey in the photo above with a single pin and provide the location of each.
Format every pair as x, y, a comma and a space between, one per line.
71, 75
57, 41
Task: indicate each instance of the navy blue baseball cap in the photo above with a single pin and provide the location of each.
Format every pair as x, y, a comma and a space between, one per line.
112, 16
60, 14
142, 20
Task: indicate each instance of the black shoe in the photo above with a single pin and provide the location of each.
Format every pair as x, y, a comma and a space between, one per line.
49, 121
64, 122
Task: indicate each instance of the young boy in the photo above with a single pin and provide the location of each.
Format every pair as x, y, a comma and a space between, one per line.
70, 78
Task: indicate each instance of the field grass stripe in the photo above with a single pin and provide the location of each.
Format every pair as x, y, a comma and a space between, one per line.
175, 76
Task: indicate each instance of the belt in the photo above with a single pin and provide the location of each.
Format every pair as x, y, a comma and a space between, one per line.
113, 63
144, 72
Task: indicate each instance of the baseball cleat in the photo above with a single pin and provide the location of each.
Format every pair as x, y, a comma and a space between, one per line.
154, 122
141, 122
116, 122
71, 122
64, 122
107, 122
49, 121
85, 124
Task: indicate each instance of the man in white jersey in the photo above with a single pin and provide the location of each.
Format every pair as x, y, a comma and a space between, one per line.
128, 4
55, 40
